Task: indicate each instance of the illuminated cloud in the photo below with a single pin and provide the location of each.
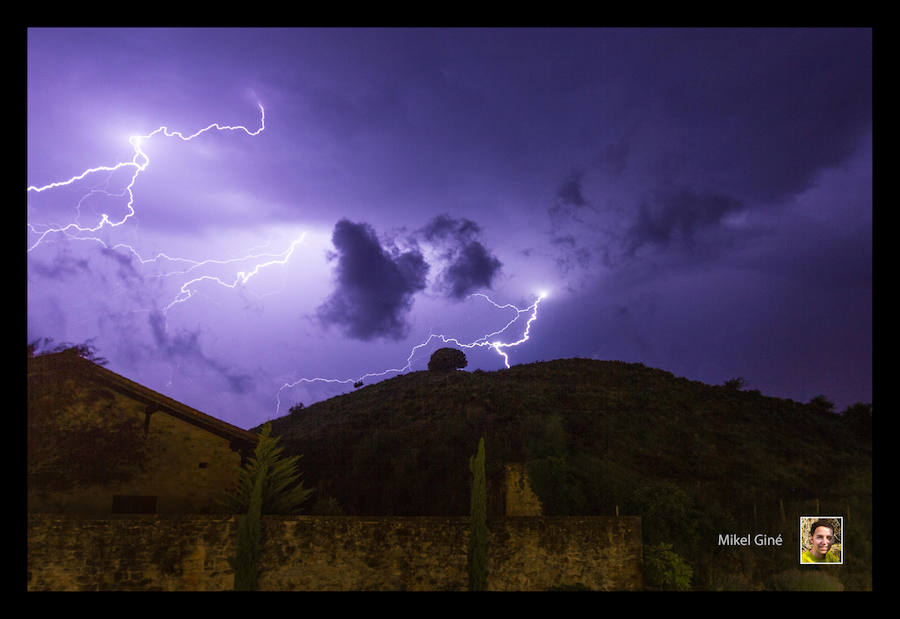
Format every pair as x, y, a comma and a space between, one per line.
61, 267
591, 163
184, 347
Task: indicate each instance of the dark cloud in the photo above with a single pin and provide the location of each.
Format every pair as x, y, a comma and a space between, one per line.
473, 268
572, 210
470, 265
443, 227
570, 191
569, 201
375, 287
61, 267
185, 346
677, 217
123, 259
566, 240
572, 254
126, 270
764, 110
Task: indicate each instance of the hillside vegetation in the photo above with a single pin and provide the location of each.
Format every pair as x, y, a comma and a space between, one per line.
695, 461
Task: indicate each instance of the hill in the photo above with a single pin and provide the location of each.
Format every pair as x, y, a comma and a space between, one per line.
694, 460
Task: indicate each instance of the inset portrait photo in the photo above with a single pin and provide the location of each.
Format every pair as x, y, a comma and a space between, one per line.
821, 540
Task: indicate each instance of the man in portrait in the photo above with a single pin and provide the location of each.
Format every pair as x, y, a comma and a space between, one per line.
821, 539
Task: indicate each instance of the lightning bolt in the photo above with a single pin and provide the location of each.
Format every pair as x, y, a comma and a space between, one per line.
138, 163
487, 340
240, 278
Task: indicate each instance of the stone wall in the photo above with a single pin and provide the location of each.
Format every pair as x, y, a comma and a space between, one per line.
189, 553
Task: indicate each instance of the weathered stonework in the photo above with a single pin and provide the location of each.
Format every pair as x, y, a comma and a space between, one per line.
520, 498
330, 553
182, 461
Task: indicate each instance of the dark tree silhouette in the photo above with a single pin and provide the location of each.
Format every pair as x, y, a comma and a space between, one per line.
737, 383
821, 404
296, 410
86, 350
859, 418
446, 359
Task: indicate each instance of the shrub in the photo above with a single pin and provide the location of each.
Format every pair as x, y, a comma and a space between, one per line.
663, 569
735, 383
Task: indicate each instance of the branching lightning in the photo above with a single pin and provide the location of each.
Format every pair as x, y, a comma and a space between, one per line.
139, 162
240, 278
488, 340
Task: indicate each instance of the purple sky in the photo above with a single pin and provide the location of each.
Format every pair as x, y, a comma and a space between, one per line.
696, 200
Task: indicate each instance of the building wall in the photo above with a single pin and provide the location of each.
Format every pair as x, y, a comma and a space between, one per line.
175, 473
164, 462
189, 553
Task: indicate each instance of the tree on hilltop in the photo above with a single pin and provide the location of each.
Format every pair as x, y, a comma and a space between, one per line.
447, 359
737, 383
821, 404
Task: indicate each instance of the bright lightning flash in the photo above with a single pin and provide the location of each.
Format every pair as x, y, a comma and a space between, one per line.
138, 164
485, 340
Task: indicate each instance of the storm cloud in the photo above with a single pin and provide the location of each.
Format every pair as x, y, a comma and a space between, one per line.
570, 191
375, 287
60, 267
185, 347
677, 217
470, 266
724, 173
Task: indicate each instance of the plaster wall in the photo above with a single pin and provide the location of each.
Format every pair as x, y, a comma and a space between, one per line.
185, 467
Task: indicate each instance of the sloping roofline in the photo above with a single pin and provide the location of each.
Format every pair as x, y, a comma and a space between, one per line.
239, 439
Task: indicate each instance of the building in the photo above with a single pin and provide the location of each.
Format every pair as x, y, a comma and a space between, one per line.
101, 444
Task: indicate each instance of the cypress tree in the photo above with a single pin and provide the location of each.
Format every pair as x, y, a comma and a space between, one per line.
477, 560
